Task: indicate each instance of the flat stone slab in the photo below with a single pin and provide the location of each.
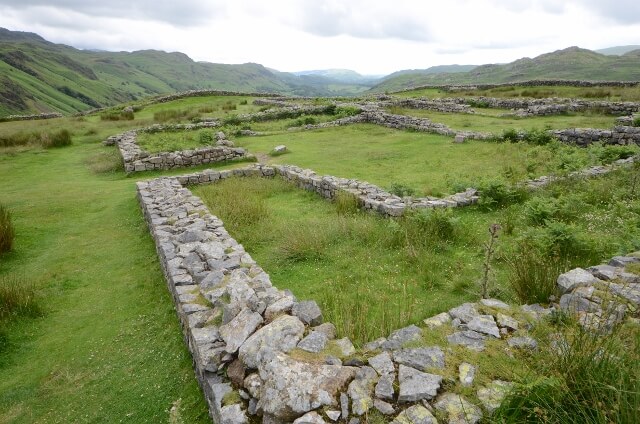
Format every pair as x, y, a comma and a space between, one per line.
399, 337
469, 339
495, 303
484, 324
308, 311
522, 343
575, 278
493, 395
314, 342
458, 410
416, 414
417, 385
465, 312
420, 358
437, 320
382, 363
239, 329
282, 334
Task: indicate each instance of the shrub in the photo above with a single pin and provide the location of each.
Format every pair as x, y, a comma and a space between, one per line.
229, 105
496, 194
117, 115
510, 135
244, 102
610, 154
538, 137
401, 190
425, 226
7, 232
205, 137
636, 121
481, 104
539, 210
232, 120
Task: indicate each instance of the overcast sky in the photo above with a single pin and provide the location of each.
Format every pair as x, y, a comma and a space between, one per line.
371, 37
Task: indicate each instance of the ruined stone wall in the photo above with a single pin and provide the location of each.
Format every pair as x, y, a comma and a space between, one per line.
621, 135
52, 115
241, 329
137, 160
528, 83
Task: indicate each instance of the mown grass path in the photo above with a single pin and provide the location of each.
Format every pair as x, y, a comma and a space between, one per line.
109, 347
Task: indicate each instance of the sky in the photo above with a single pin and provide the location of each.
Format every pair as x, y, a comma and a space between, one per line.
371, 37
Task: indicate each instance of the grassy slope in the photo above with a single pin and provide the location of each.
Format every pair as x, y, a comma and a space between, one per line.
569, 64
109, 348
52, 77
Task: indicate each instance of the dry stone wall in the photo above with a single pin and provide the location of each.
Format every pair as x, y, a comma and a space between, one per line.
9, 118
242, 330
621, 135
135, 159
528, 83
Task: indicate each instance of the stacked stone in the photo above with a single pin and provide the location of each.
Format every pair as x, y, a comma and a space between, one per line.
438, 105
528, 83
30, 117
601, 295
136, 160
198, 93
369, 196
593, 171
290, 110
621, 135
242, 331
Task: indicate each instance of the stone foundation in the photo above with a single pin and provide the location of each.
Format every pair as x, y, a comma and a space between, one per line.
242, 331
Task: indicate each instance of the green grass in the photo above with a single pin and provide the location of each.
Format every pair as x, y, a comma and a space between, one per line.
427, 163
489, 123
373, 274
587, 93
109, 347
170, 141
7, 232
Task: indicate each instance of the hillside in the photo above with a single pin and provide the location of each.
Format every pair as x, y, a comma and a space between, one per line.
39, 76
618, 50
572, 63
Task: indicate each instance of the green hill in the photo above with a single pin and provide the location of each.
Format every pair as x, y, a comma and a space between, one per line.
572, 63
39, 76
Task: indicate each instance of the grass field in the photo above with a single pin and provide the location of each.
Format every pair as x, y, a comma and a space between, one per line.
109, 347
430, 164
106, 345
587, 93
487, 121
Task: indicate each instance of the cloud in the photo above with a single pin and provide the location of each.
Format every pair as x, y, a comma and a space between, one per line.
177, 13
402, 19
622, 11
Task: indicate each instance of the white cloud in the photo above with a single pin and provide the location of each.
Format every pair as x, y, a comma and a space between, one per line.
367, 36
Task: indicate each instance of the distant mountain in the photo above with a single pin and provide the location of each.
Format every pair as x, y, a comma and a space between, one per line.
40, 76
440, 69
618, 50
342, 75
572, 63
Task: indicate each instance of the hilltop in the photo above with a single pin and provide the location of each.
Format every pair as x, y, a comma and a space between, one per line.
572, 63
39, 76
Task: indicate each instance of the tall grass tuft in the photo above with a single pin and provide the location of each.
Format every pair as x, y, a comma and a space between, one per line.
18, 297
105, 162
7, 232
588, 379
304, 242
239, 202
346, 203
60, 138
533, 275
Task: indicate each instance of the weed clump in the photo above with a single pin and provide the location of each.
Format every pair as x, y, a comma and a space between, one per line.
18, 297
7, 232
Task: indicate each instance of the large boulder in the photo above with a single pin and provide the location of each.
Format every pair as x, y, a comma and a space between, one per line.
282, 334
291, 388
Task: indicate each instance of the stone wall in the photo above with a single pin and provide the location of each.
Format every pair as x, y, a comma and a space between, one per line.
198, 93
528, 83
621, 135
9, 118
137, 160
241, 330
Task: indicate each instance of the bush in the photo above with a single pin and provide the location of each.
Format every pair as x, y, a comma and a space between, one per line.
510, 135
425, 226
232, 120
636, 121
497, 194
205, 137
117, 115
481, 104
229, 105
7, 232
401, 190
539, 210
610, 154
244, 102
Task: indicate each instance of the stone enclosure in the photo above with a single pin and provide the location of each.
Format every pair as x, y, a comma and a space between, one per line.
245, 335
